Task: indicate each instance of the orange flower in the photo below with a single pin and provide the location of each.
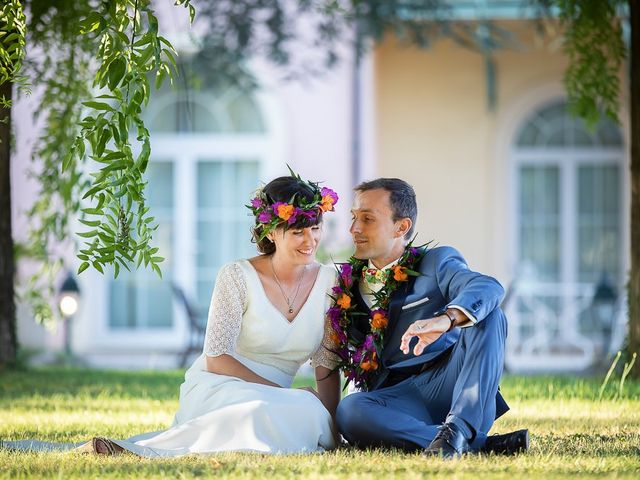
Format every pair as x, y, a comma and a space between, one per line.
379, 321
327, 203
285, 211
344, 301
371, 364
399, 274
335, 338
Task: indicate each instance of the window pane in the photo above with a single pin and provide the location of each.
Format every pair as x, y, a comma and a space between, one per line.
539, 221
555, 126
598, 223
139, 299
224, 224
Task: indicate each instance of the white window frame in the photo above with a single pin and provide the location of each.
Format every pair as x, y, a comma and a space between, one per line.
93, 334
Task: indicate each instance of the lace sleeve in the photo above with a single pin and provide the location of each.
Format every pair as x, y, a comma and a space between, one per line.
324, 356
228, 304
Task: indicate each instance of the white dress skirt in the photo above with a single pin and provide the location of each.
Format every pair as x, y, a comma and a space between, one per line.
220, 413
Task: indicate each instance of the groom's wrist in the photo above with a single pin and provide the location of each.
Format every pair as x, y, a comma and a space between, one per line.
450, 313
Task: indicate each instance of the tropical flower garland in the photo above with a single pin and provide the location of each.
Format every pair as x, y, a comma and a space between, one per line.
272, 215
359, 359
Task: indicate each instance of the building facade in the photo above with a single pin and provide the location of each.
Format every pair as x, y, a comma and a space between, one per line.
502, 171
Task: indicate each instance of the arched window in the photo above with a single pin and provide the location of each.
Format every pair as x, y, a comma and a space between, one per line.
568, 235
208, 147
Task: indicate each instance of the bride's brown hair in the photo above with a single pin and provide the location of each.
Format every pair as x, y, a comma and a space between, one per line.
283, 189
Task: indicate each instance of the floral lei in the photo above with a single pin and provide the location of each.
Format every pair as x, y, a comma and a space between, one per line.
359, 360
271, 214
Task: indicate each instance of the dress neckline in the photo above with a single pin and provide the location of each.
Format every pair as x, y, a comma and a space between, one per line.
264, 292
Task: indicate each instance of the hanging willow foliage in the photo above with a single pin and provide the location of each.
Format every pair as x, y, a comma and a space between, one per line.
93, 147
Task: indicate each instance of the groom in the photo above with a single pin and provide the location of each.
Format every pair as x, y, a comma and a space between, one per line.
433, 385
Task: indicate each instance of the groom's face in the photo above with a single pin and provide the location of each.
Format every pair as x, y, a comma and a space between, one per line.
375, 234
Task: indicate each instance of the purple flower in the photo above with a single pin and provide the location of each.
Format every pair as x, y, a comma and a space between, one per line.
294, 216
257, 202
337, 290
334, 313
368, 343
310, 214
345, 274
264, 217
413, 250
335, 324
357, 356
328, 192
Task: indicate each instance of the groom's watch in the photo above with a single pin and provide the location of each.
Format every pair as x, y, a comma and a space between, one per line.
452, 318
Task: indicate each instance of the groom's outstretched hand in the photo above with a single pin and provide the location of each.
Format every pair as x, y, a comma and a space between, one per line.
427, 331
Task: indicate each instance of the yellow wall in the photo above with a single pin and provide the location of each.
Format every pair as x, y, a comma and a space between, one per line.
434, 129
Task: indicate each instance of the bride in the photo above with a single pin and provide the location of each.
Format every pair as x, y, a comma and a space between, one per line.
266, 319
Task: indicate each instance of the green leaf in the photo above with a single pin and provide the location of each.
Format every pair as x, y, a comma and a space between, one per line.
92, 211
89, 234
91, 23
68, 158
92, 192
97, 266
116, 72
83, 266
116, 270
98, 106
90, 223
116, 165
160, 76
156, 269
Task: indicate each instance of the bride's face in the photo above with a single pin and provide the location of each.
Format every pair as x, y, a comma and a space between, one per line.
298, 245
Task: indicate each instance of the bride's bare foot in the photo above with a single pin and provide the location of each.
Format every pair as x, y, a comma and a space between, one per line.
104, 446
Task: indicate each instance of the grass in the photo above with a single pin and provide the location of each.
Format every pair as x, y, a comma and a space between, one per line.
573, 433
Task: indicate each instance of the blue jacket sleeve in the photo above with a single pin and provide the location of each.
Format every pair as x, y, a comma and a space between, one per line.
477, 293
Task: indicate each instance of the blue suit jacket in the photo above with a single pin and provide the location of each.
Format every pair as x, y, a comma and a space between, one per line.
445, 280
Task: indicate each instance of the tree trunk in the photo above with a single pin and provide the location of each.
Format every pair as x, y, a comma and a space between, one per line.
634, 276
8, 341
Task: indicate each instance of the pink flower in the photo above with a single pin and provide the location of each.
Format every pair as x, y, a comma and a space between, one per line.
257, 202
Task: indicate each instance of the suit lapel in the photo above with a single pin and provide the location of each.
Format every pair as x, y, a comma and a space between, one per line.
395, 308
362, 322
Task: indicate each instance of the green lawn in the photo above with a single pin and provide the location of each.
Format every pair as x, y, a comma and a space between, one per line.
573, 433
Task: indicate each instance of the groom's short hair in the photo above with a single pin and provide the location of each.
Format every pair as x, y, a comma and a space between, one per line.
402, 198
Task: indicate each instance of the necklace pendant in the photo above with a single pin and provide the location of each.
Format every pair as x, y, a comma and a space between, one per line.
290, 310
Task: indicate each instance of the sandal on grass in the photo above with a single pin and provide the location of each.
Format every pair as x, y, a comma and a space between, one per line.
104, 446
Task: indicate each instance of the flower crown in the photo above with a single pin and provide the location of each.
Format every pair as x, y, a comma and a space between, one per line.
272, 215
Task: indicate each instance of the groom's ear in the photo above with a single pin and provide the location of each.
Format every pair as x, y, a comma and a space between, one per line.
403, 226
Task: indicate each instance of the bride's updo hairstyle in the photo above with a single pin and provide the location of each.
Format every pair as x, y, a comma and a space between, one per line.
288, 202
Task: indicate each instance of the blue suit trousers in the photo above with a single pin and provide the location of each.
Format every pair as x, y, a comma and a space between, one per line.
459, 388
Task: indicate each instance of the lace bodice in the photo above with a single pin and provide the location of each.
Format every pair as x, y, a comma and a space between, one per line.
243, 321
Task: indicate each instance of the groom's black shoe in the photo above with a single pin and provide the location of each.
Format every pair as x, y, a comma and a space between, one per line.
507, 443
448, 443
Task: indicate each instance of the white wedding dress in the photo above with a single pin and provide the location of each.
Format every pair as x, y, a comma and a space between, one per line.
222, 413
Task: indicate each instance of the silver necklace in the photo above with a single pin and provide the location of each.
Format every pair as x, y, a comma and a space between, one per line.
295, 295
